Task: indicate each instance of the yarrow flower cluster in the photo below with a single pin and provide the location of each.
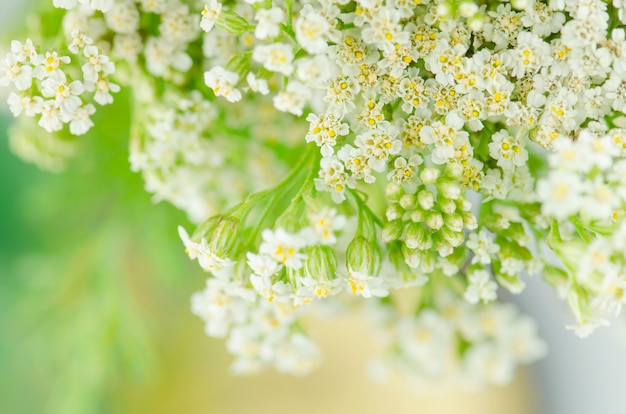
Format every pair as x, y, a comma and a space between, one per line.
46, 87
339, 152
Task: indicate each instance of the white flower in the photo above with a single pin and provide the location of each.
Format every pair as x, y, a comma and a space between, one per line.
263, 265
81, 120
481, 287
325, 223
64, 4
96, 64
207, 259
275, 57
23, 51
223, 82
324, 130
311, 29
210, 14
313, 288
79, 41
123, 17
366, 286
293, 98
50, 116
507, 151
283, 247
560, 194
11, 70
67, 95
279, 291
268, 22
257, 84
102, 89
483, 247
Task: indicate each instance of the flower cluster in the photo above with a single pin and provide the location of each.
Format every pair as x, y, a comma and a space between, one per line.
455, 344
46, 87
444, 147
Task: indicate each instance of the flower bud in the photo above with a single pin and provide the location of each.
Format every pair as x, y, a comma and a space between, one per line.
321, 262
231, 22
468, 8
426, 199
394, 191
446, 205
361, 256
453, 221
519, 4
454, 238
412, 257
444, 9
206, 229
454, 170
418, 215
225, 237
476, 22
392, 230
417, 237
443, 248
512, 283
464, 204
408, 201
434, 220
469, 221
449, 189
429, 175
394, 211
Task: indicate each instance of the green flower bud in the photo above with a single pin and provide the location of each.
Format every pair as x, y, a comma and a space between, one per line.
513, 283
231, 22
394, 211
321, 262
426, 199
476, 22
454, 170
417, 237
392, 230
225, 237
434, 220
362, 256
408, 201
446, 205
453, 221
429, 175
444, 9
464, 204
469, 221
394, 191
206, 229
412, 257
454, 238
443, 248
418, 215
449, 189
